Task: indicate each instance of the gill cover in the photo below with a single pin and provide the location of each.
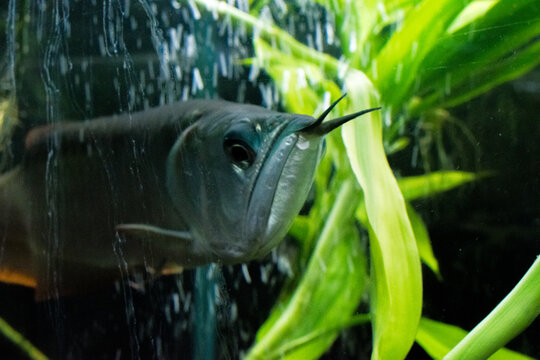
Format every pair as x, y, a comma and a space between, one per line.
240, 174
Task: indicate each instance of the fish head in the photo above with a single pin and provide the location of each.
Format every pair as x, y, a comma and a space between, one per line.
240, 174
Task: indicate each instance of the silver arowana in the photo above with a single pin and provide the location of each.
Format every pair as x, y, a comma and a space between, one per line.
176, 186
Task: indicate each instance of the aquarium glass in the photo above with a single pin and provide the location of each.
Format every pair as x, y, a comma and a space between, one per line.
420, 235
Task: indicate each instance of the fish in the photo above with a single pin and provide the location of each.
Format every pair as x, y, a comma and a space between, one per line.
171, 187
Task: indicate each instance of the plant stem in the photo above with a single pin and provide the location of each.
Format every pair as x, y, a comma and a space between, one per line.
513, 314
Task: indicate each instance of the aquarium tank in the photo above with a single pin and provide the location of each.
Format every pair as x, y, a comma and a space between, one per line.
419, 238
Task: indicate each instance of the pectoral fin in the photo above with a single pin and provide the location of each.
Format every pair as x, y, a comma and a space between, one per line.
174, 243
178, 246
153, 232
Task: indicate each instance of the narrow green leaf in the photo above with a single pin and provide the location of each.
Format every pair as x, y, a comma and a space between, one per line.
355, 22
395, 69
496, 47
473, 11
300, 226
422, 241
8, 123
485, 79
314, 335
506, 27
414, 187
421, 235
513, 314
328, 293
438, 338
397, 145
22, 343
396, 299
301, 92
271, 33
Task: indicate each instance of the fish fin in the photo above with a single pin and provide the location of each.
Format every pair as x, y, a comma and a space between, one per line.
14, 277
37, 135
179, 248
145, 230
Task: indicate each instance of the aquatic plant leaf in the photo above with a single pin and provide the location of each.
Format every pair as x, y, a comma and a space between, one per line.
393, 5
422, 241
8, 123
483, 80
396, 294
395, 69
506, 27
273, 34
22, 343
300, 226
301, 93
437, 338
356, 21
414, 187
337, 267
420, 234
509, 318
470, 13
293, 345
496, 47
397, 145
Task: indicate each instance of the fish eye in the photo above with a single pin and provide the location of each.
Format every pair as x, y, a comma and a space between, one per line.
240, 153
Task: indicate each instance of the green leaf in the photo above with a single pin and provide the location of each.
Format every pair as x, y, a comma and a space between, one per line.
327, 294
397, 145
483, 80
414, 187
292, 346
22, 343
300, 226
280, 39
395, 69
438, 338
355, 22
496, 47
396, 296
513, 314
422, 241
8, 123
420, 233
507, 26
473, 11
301, 92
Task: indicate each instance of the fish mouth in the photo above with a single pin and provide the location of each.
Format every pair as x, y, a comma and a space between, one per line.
263, 196
281, 187
283, 178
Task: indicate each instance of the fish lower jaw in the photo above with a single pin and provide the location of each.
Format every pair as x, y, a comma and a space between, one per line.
231, 255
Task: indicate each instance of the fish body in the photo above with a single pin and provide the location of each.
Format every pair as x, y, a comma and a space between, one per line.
185, 184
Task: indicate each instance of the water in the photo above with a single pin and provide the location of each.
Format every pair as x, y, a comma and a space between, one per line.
78, 60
